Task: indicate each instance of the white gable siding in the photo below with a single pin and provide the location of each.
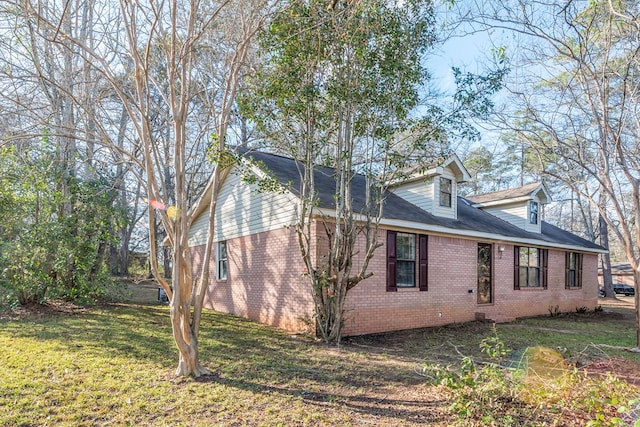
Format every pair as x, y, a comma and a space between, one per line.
425, 194
242, 210
515, 214
420, 193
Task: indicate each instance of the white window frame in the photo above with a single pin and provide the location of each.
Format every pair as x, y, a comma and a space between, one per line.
533, 212
409, 261
222, 271
447, 202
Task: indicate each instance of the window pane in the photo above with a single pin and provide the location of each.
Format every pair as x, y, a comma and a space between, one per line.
405, 246
406, 274
484, 273
572, 278
523, 277
445, 200
445, 185
445, 192
222, 250
533, 212
222, 260
572, 261
524, 257
529, 257
484, 255
222, 269
529, 262
534, 277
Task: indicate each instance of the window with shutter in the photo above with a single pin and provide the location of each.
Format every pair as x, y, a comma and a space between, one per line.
573, 276
407, 261
530, 267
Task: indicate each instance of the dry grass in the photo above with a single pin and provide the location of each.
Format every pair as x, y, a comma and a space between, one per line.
112, 365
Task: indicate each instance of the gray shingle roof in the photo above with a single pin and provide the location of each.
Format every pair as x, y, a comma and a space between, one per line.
470, 218
511, 193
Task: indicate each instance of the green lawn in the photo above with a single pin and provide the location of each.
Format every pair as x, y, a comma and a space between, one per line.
113, 365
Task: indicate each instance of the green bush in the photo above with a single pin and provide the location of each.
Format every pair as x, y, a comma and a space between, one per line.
53, 243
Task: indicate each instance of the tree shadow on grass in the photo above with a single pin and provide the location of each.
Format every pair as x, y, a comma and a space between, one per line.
141, 332
231, 344
247, 356
408, 409
265, 361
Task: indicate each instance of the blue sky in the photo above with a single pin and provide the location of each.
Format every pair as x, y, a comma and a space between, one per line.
467, 53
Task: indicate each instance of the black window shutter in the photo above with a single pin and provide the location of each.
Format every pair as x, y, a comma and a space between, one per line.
567, 270
579, 270
391, 261
544, 253
423, 262
516, 269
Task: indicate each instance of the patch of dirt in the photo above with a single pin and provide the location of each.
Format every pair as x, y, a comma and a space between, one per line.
41, 310
624, 370
143, 283
138, 291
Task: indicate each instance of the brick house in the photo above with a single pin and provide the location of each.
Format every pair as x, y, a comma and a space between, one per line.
445, 259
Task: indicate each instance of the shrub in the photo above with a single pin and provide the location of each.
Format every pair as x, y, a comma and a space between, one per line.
487, 393
484, 392
52, 242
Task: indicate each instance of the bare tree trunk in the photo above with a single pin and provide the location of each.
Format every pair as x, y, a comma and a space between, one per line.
157, 80
607, 280
594, 51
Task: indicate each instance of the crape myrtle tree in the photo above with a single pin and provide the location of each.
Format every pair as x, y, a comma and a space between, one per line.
134, 38
578, 109
338, 85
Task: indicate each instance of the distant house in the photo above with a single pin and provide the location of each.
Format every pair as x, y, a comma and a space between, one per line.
445, 259
622, 274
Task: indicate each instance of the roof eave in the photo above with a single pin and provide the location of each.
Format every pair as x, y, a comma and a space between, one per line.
488, 236
501, 202
471, 234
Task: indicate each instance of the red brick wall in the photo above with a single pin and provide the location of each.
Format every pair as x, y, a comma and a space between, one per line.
264, 281
265, 284
511, 303
452, 274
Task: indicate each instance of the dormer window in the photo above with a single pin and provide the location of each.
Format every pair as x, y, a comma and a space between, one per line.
520, 206
445, 192
533, 212
434, 188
